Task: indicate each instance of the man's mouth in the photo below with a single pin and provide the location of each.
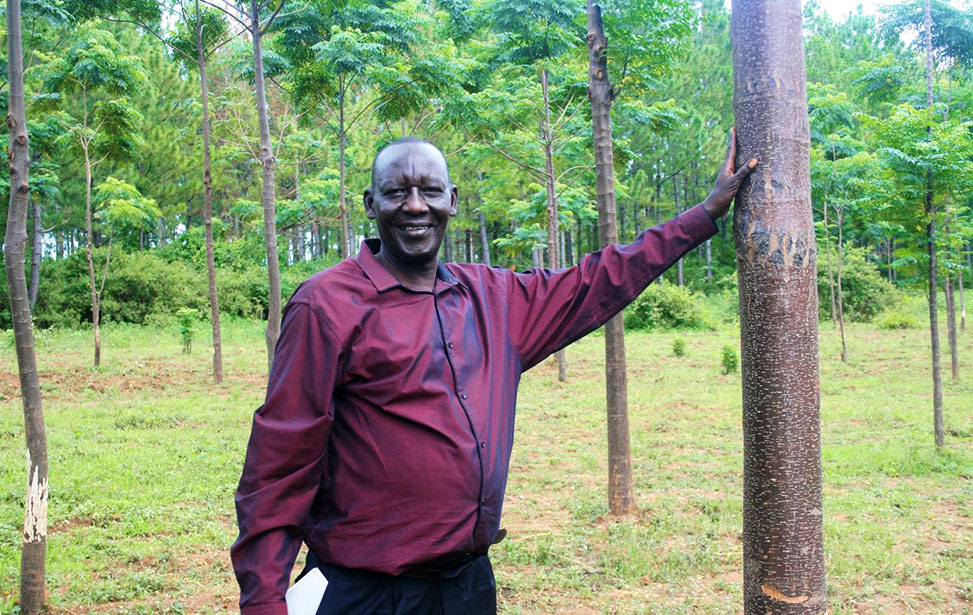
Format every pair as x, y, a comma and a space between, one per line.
415, 229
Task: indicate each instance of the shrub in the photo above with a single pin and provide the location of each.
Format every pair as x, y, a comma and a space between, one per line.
866, 293
679, 347
186, 317
138, 285
896, 319
666, 307
729, 359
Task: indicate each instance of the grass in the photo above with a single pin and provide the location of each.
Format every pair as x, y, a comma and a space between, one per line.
146, 452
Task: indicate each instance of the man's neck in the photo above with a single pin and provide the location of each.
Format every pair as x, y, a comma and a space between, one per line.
412, 276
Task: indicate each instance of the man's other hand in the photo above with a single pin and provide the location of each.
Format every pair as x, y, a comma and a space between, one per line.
728, 181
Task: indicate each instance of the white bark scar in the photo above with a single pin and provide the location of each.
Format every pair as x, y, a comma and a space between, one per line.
780, 596
35, 509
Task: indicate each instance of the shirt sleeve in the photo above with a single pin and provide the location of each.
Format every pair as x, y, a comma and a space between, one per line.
285, 460
548, 310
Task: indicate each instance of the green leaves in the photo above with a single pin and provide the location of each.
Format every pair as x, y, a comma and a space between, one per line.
121, 206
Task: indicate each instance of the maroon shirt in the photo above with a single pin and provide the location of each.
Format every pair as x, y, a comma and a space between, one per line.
385, 437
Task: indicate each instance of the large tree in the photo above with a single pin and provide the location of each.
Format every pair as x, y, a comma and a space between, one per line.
783, 549
34, 553
621, 497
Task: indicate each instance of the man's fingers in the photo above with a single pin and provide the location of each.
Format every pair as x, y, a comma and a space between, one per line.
746, 169
731, 152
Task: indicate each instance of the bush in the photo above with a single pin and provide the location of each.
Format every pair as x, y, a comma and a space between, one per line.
666, 307
678, 347
896, 319
866, 292
138, 285
729, 360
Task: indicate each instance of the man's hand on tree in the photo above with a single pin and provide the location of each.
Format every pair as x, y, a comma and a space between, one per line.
728, 181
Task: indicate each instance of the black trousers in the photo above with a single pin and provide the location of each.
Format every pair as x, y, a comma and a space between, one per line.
466, 590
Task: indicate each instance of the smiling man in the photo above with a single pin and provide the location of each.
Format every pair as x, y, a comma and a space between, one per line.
385, 437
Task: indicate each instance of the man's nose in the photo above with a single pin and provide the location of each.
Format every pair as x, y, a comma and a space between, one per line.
414, 202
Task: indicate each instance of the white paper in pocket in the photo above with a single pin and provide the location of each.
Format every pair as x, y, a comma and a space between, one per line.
304, 597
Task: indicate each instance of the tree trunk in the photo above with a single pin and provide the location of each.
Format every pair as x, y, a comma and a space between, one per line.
468, 240
342, 144
827, 254
783, 550
937, 379
484, 240
841, 296
89, 247
951, 326
552, 218
214, 304
709, 261
962, 303
621, 495
675, 196
267, 194
36, 253
34, 551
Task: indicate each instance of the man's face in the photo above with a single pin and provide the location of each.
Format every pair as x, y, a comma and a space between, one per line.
411, 201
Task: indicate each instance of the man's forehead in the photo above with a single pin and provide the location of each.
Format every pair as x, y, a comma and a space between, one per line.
403, 156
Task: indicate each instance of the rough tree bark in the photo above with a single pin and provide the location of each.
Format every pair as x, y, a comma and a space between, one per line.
783, 550
214, 303
34, 553
267, 195
621, 495
939, 430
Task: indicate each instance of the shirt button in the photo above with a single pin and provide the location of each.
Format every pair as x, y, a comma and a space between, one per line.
450, 344
463, 395
482, 444
482, 500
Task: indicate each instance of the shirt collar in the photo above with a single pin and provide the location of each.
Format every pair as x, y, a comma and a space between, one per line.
380, 277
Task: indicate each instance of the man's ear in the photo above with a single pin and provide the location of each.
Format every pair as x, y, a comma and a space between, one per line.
453, 200
369, 204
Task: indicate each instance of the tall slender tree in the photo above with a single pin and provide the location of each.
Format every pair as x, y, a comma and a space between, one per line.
621, 495
34, 552
783, 550
202, 32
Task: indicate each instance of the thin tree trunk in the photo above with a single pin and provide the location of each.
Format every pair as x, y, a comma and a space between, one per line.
33, 555
783, 547
90, 235
937, 383
951, 326
267, 193
962, 304
827, 254
36, 253
552, 218
709, 261
342, 144
468, 240
675, 196
841, 296
621, 495
214, 303
484, 240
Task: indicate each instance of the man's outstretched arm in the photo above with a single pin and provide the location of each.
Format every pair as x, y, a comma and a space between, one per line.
550, 309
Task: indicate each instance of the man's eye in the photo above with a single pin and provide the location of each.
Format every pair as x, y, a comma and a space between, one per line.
433, 191
394, 193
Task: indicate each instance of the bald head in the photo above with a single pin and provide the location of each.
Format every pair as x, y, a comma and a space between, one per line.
386, 153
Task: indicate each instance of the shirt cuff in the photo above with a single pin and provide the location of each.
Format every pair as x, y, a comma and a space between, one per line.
275, 608
698, 223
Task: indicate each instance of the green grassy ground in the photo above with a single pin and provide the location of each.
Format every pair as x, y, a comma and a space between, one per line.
145, 455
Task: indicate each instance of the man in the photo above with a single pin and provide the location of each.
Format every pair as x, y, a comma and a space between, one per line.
385, 437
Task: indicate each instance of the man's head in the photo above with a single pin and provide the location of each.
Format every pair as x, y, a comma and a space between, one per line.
411, 200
